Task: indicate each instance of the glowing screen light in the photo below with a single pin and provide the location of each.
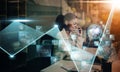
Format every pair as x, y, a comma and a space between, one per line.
94, 31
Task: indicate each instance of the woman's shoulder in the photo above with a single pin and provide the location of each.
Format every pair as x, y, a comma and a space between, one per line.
62, 35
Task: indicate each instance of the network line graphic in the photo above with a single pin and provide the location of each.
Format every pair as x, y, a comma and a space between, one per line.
19, 36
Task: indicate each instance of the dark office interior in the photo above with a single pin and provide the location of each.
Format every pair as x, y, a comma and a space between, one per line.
29, 43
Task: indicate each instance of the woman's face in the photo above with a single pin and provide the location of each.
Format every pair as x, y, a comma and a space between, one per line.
73, 23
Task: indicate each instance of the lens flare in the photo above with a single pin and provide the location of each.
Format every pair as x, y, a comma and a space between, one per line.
116, 3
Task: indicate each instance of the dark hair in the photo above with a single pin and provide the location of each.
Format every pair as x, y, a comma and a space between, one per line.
60, 22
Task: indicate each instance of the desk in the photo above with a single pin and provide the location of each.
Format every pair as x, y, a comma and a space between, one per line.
69, 65
57, 67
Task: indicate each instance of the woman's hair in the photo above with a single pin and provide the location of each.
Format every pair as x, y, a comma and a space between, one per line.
69, 16
60, 22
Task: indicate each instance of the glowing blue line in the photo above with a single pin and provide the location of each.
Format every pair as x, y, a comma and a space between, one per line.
26, 45
33, 41
107, 24
4, 50
69, 51
20, 20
